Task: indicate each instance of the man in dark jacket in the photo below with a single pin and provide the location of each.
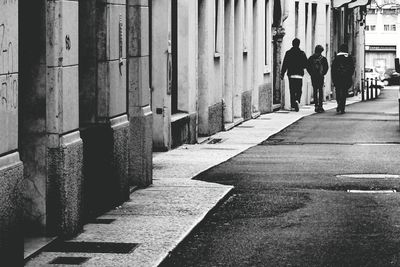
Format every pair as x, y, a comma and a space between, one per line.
294, 62
342, 76
317, 67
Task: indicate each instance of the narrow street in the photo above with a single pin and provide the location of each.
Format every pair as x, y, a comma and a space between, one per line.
291, 205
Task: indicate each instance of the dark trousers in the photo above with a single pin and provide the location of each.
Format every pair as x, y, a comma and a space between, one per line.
295, 90
318, 86
341, 94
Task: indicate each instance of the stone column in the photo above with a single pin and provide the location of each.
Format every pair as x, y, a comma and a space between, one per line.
11, 169
229, 63
103, 104
64, 145
161, 72
205, 63
140, 114
278, 34
238, 61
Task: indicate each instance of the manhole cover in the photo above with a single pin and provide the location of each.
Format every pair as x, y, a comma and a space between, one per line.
372, 191
369, 176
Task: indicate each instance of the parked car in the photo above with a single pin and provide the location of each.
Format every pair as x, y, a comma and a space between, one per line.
370, 73
391, 77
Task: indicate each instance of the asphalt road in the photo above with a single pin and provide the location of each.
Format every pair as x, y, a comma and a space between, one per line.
290, 208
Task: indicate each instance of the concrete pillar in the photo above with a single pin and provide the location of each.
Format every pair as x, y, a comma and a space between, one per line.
205, 61
290, 30
103, 104
184, 130
238, 85
229, 62
11, 169
258, 54
140, 114
50, 142
161, 72
64, 160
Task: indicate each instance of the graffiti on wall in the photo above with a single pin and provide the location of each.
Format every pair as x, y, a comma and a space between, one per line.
8, 79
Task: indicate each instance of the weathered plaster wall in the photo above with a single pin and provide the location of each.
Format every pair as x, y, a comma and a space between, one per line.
8, 75
11, 169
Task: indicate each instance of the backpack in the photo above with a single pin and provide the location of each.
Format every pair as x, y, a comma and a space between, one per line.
316, 66
344, 68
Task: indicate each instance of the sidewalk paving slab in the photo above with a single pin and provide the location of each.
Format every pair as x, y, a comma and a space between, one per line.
159, 217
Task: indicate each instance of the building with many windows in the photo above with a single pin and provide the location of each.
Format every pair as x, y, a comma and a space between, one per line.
382, 35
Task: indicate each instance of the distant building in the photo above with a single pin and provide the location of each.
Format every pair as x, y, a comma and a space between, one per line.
382, 35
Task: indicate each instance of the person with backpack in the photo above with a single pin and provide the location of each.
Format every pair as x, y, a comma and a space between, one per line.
294, 62
317, 67
342, 76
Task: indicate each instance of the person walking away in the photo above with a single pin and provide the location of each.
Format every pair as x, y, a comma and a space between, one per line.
294, 62
342, 76
317, 67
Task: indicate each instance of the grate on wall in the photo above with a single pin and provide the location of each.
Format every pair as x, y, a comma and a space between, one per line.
92, 247
102, 221
69, 260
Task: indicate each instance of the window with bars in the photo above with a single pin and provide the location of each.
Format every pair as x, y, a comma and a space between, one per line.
386, 27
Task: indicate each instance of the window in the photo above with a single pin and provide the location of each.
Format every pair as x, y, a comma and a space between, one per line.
267, 41
393, 27
245, 25
296, 18
386, 27
372, 27
217, 29
367, 27
389, 11
313, 24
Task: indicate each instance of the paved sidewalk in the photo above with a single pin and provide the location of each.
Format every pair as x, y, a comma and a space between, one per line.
159, 217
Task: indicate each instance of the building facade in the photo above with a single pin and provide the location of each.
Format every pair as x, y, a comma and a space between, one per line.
90, 88
75, 112
382, 32
211, 65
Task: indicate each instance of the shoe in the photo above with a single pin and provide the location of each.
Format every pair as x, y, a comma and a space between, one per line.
337, 109
297, 106
316, 109
342, 112
321, 109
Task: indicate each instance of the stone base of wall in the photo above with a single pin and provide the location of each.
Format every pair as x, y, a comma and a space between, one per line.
105, 166
246, 105
141, 150
11, 239
183, 131
265, 98
215, 118
64, 187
